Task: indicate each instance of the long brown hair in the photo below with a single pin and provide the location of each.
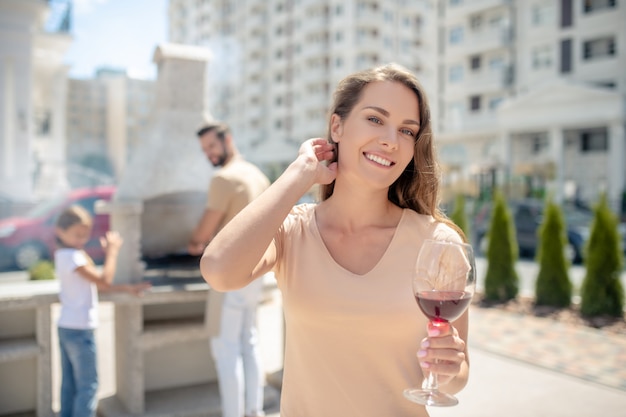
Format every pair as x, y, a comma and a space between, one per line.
417, 188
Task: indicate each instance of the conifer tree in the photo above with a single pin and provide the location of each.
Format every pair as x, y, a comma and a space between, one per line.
501, 280
553, 286
458, 216
602, 292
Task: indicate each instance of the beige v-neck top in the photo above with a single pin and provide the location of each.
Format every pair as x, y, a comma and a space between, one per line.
351, 340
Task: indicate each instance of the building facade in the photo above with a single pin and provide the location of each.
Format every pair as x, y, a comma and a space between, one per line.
532, 96
107, 116
275, 63
524, 93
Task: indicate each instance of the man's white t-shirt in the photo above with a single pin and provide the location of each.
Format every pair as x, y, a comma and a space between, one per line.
79, 297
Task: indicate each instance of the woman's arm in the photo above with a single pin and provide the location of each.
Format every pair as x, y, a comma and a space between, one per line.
243, 249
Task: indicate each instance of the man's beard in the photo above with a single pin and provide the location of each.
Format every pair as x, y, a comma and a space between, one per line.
221, 160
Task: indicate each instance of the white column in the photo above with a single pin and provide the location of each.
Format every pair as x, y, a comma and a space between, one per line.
557, 151
8, 118
506, 156
126, 219
616, 169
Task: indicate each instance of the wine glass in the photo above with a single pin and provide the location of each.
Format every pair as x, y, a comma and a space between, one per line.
444, 280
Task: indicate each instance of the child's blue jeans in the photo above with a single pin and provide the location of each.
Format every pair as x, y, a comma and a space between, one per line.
79, 384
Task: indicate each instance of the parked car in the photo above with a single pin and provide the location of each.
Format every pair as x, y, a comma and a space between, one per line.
29, 238
527, 216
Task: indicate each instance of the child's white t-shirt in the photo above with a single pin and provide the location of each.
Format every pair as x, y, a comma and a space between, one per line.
78, 296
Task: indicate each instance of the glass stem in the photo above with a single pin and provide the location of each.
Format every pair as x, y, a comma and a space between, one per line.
431, 382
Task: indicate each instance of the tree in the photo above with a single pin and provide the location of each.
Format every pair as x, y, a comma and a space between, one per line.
553, 286
501, 280
458, 216
602, 292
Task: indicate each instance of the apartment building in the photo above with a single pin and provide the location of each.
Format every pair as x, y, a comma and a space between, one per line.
276, 62
107, 116
532, 95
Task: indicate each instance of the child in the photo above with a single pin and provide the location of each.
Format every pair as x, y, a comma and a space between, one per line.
80, 282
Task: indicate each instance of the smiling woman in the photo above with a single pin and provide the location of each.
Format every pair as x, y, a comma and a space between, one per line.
344, 265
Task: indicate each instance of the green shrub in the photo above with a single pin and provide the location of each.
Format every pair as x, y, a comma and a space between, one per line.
501, 280
553, 286
458, 216
42, 270
602, 292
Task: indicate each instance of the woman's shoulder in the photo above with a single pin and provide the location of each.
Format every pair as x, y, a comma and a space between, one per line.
300, 216
303, 209
427, 225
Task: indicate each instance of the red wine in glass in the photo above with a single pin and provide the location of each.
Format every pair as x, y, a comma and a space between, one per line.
443, 305
443, 282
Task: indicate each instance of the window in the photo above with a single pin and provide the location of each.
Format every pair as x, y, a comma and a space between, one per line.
475, 103
594, 140
455, 73
405, 46
456, 35
605, 84
496, 63
591, 6
542, 14
567, 16
566, 56
542, 57
598, 48
475, 62
494, 102
476, 22
540, 143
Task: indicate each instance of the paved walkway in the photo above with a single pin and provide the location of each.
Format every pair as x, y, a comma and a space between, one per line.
581, 352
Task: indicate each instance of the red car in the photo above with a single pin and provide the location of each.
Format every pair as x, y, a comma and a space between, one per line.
27, 239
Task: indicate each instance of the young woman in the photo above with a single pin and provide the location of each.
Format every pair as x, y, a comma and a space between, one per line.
355, 338
80, 282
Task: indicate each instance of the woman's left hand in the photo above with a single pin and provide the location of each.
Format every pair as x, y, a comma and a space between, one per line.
442, 352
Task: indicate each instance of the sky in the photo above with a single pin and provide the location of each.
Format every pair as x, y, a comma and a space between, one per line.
116, 33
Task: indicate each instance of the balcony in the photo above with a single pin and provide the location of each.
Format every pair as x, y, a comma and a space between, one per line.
470, 122
481, 41
368, 18
314, 50
479, 82
473, 6
315, 24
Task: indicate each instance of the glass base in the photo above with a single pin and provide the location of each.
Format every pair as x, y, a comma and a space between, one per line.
430, 397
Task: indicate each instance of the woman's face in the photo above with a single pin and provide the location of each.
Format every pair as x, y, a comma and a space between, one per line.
377, 138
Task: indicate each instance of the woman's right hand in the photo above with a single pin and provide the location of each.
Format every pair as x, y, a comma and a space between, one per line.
315, 151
